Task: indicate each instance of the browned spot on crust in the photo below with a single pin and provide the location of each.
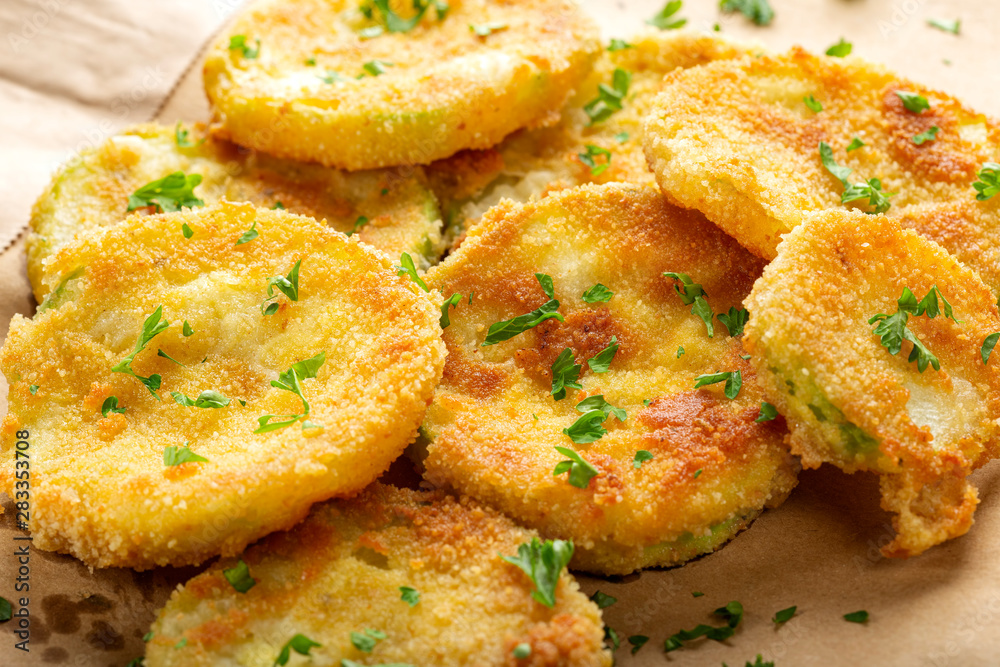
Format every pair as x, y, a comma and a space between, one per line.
936, 160
585, 332
479, 379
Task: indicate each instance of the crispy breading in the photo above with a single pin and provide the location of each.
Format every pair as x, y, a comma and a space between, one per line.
532, 163
313, 93
340, 572
494, 423
92, 191
847, 400
736, 141
99, 486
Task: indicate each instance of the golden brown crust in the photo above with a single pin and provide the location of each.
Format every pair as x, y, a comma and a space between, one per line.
92, 192
447, 89
100, 489
736, 141
851, 403
340, 572
486, 440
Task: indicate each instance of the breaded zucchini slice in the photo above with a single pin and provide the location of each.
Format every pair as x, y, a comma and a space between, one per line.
847, 399
350, 85
390, 209
737, 141
339, 580
110, 398
496, 422
534, 162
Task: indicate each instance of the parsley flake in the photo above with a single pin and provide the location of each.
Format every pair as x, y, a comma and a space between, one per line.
855, 144
697, 594
814, 105
619, 45
206, 399
597, 402
289, 381
601, 362
579, 469
168, 194
390, 21
735, 320
407, 268
893, 330
187, 331
758, 11
249, 235
989, 181
988, 344
598, 294
565, 373
507, 329
602, 600
365, 641
543, 562
947, 26
487, 29
913, 102
637, 642
871, 190
664, 20
588, 428
161, 353
621, 137
358, 224
33, 389
641, 457
278, 206
239, 577
857, 617
287, 285
187, 231
840, 49
239, 43
784, 615
609, 98
928, 135
330, 77
410, 596
611, 636
767, 412
181, 136
680, 351
595, 152
151, 327
175, 456
733, 380
697, 473
300, 644
452, 301
377, 67
693, 293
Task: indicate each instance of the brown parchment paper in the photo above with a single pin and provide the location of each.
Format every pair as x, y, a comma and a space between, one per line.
819, 551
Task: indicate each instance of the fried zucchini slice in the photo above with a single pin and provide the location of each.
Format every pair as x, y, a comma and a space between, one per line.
337, 578
390, 209
102, 488
749, 158
534, 162
495, 422
343, 83
848, 401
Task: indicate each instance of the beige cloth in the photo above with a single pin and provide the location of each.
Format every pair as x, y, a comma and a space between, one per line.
818, 551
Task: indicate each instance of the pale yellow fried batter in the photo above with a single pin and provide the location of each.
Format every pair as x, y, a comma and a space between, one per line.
736, 141
99, 486
340, 572
92, 191
494, 423
534, 162
850, 402
321, 89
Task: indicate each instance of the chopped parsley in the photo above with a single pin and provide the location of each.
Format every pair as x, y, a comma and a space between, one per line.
239, 43
621, 137
300, 644
664, 20
579, 469
187, 231
602, 600
33, 389
376, 67
928, 135
151, 327
697, 594
758, 11
735, 320
181, 137
619, 45
146, 637
893, 329
857, 617
611, 636
161, 353
565, 373
452, 301
206, 399
278, 206
543, 562
913, 102
693, 293
759, 662
588, 428
390, 21
601, 362
311, 62
501, 331
522, 651
784, 615
609, 98
637, 642
597, 402
767, 412
947, 26
188, 331
814, 105
598, 294
174, 455
641, 457
733, 380
855, 144
487, 29
358, 224
287, 285
239, 577
289, 381
249, 235
330, 77
365, 641
410, 596
988, 344
168, 194
680, 351
840, 49
697, 473
732, 613
593, 152
989, 181
407, 267
870, 190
